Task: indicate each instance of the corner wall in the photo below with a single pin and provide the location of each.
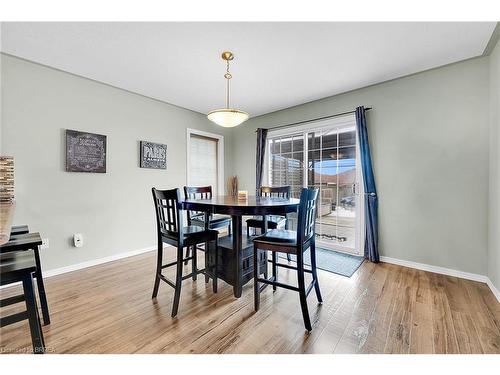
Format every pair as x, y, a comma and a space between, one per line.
429, 139
114, 211
494, 183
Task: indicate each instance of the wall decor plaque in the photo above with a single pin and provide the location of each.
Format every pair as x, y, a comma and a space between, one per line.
153, 155
85, 152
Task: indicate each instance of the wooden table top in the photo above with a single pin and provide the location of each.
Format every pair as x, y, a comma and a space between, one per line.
6, 215
251, 201
226, 204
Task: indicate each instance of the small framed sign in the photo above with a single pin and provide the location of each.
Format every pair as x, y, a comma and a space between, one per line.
85, 152
153, 155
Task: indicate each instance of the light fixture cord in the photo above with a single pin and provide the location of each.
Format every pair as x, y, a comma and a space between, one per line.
228, 77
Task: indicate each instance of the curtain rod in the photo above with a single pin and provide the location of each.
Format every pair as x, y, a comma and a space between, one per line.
315, 119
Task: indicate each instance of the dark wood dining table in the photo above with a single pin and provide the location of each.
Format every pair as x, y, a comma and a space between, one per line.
236, 251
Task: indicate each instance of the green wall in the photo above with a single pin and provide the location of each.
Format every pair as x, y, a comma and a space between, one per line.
429, 139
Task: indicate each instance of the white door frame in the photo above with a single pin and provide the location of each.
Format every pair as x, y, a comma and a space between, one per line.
220, 156
339, 123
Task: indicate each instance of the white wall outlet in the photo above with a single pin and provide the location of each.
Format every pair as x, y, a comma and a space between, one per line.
78, 240
45, 244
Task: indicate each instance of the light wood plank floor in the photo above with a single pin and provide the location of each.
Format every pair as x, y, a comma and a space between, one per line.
382, 308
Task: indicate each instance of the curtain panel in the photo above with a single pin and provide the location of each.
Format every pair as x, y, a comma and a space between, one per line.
259, 163
370, 191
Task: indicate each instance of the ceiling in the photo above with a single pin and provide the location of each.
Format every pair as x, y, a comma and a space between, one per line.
277, 65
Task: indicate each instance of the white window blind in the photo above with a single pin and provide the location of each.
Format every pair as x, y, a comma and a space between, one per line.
203, 162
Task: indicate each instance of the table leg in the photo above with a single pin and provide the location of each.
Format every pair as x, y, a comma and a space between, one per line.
237, 245
207, 222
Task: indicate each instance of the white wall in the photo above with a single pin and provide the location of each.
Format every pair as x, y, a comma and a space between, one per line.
429, 139
114, 211
494, 192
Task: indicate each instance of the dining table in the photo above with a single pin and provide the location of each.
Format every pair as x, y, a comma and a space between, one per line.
235, 251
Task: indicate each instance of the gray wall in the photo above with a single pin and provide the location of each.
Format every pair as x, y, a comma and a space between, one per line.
429, 139
494, 194
114, 211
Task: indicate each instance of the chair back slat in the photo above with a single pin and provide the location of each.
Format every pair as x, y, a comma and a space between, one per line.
307, 215
200, 192
168, 212
275, 191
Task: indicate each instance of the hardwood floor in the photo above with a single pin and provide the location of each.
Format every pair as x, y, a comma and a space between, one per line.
382, 308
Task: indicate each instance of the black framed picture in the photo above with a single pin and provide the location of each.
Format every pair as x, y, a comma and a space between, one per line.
85, 152
153, 155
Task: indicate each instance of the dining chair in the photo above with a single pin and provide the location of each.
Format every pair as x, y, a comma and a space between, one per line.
273, 221
292, 242
197, 218
171, 230
21, 240
19, 266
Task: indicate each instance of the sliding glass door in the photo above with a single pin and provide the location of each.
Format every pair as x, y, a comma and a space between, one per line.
326, 158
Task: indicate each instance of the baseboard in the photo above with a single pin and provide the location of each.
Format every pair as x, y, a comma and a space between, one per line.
96, 262
436, 269
444, 271
90, 263
400, 262
493, 289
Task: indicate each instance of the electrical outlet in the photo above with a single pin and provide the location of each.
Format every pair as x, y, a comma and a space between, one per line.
78, 240
45, 244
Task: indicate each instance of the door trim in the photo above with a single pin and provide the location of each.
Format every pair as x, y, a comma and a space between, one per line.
220, 156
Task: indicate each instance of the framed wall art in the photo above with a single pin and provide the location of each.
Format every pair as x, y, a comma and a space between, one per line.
85, 152
153, 155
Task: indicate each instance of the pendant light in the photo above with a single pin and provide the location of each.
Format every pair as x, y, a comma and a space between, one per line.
227, 117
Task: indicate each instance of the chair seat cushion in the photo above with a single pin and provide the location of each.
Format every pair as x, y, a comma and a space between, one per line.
273, 222
194, 235
216, 221
278, 237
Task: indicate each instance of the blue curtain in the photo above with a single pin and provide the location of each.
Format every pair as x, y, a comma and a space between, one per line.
259, 162
370, 197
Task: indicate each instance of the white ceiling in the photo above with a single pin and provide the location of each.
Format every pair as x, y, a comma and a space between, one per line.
277, 65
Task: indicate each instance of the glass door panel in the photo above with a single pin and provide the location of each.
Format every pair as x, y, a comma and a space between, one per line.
325, 159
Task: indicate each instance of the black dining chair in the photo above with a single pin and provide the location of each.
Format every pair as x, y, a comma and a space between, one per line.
19, 266
273, 221
292, 242
21, 240
197, 218
171, 230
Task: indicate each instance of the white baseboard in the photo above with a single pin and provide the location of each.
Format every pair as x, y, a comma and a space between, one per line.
95, 262
89, 263
400, 262
444, 271
493, 289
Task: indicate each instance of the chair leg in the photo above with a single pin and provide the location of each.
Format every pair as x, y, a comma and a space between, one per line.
248, 230
33, 318
178, 283
266, 272
214, 285
256, 293
302, 294
188, 252
275, 268
207, 249
41, 288
288, 257
314, 272
194, 263
229, 229
159, 261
